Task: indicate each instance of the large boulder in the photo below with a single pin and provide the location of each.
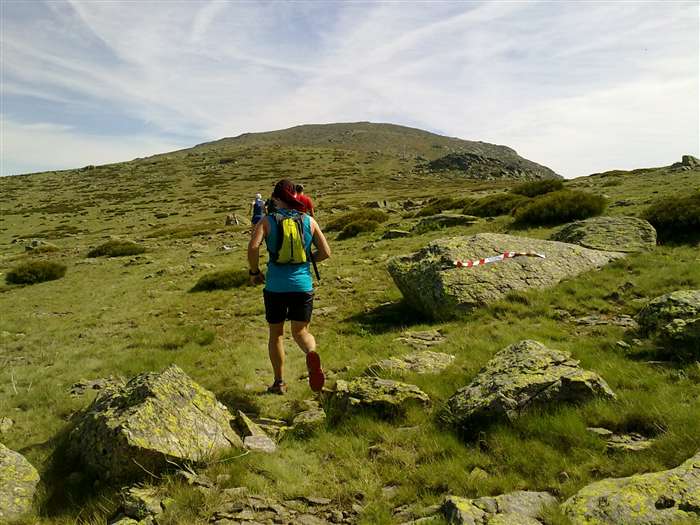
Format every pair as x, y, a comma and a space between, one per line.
674, 318
153, 421
521, 376
18, 481
429, 280
620, 234
670, 496
384, 396
515, 508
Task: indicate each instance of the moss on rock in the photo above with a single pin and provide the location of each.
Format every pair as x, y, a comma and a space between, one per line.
521, 376
18, 481
384, 396
656, 498
517, 508
156, 418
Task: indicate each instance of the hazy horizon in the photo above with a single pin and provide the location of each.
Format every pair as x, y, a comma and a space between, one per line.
580, 88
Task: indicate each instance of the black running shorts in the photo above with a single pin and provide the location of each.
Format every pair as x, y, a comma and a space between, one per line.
292, 306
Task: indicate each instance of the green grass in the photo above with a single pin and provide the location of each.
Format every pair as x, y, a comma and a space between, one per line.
108, 316
559, 207
222, 280
676, 218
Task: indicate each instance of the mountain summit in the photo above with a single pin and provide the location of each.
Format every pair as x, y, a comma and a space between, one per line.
428, 151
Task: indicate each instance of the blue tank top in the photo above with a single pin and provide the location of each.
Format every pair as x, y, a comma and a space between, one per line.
288, 277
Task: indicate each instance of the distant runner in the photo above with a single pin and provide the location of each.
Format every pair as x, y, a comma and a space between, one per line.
288, 294
257, 209
305, 200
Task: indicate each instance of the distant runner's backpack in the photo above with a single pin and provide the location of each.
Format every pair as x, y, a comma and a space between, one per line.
258, 207
290, 240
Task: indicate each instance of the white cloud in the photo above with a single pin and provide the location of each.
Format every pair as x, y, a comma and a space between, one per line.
47, 146
541, 77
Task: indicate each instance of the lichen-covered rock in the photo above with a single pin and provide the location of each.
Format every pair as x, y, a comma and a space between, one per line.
431, 283
383, 395
310, 420
445, 220
425, 362
619, 234
395, 234
656, 498
422, 339
18, 481
520, 376
154, 419
674, 318
141, 502
516, 508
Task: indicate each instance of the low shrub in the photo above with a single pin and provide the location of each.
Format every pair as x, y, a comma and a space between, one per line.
35, 272
538, 187
363, 215
116, 248
356, 227
495, 205
441, 204
675, 218
559, 207
221, 280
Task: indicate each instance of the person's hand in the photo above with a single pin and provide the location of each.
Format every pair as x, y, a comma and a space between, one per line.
257, 279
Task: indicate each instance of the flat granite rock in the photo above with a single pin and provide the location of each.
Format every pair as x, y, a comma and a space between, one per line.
18, 481
521, 376
153, 420
431, 283
424, 362
515, 508
383, 395
656, 498
619, 234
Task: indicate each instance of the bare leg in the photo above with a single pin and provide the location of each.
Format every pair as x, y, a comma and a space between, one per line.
302, 336
275, 348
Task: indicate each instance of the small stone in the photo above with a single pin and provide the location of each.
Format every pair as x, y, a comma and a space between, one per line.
260, 444
5, 424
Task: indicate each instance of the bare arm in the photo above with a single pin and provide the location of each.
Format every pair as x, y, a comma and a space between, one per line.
323, 251
256, 239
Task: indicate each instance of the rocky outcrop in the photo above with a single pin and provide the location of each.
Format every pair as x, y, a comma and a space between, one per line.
423, 339
657, 498
155, 419
425, 362
384, 396
674, 318
431, 283
519, 507
18, 481
620, 234
480, 166
237, 506
521, 376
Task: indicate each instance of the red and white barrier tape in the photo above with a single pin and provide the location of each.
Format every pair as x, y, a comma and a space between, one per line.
496, 258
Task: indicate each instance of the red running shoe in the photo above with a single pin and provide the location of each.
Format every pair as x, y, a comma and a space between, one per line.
316, 375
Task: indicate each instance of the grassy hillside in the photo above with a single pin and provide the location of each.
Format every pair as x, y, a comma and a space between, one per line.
124, 315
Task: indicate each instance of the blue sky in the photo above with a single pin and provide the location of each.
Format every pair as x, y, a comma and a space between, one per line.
581, 87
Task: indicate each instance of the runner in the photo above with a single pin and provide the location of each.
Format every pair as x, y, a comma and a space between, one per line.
289, 234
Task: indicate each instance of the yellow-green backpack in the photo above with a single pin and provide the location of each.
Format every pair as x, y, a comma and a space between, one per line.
290, 240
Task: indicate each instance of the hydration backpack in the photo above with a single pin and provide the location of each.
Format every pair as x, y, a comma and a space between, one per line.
258, 208
290, 240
